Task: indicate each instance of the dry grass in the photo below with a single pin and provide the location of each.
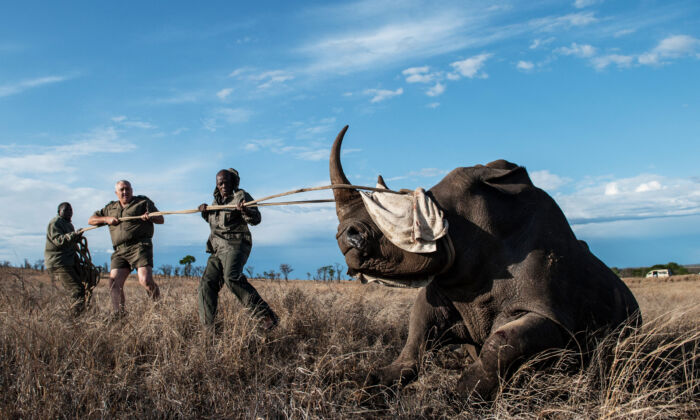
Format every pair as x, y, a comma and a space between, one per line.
159, 363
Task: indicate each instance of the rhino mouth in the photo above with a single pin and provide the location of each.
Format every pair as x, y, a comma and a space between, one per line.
403, 283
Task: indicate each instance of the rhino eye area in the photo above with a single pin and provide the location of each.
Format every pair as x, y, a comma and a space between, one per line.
352, 231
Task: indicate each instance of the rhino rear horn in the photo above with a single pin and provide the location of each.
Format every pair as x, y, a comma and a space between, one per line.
381, 183
344, 198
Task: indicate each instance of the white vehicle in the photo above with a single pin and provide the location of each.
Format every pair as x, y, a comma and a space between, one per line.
662, 272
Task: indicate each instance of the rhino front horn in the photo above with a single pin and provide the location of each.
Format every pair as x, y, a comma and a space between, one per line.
344, 198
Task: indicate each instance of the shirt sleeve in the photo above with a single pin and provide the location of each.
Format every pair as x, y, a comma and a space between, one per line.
59, 236
251, 215
150, 206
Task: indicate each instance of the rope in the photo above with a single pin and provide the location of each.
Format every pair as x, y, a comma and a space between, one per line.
257, 203
89, 274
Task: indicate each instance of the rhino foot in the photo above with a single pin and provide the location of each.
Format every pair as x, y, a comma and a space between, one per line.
395, 374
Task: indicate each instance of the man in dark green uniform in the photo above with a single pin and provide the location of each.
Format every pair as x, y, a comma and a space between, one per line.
59, 256
229, 244
131, 240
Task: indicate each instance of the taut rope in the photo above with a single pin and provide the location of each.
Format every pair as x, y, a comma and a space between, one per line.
258, 202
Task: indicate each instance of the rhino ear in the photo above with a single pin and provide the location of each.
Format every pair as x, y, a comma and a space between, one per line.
381, 183
508, 180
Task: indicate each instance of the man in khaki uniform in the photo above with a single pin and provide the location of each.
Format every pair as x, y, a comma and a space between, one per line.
229, 244
59, 256
131, 240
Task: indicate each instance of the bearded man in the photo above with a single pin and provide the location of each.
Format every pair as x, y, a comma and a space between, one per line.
60, 254
229, 244
131, 240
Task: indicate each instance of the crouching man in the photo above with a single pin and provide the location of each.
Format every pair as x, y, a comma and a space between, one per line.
131, 240
60, 255
229, 244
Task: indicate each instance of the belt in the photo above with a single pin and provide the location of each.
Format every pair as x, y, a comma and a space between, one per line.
132, 242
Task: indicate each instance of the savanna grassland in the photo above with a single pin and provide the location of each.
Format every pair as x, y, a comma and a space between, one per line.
159, 362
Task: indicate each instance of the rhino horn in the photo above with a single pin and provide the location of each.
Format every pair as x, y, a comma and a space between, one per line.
344, 198
381, 183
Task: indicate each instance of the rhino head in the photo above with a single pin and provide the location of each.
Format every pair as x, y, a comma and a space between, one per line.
368, 252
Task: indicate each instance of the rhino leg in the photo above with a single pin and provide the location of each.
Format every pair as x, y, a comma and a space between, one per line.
506, 349
433, 322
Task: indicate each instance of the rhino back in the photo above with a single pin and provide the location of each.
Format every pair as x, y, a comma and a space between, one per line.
515, 253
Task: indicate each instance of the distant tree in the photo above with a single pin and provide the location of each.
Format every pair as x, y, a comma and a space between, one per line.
166, 269
323, 272
331, 272
39, 265
105, 267
338, 271
286, 269
250, 270
27, 264
308, 275
176, 272
187, 261
5, 263
197, 271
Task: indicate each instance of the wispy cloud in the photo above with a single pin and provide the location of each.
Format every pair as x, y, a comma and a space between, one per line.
379, 95
554, 23
57, 159
391, 42
224, 93
525, 65
580, 4
471, 67
226, 116
538, 42
673, 47
126, 122
641, 197
22, 85
578, 50
547, 180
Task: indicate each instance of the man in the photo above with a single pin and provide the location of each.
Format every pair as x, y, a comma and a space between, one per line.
229, 244
131, 240
59, 256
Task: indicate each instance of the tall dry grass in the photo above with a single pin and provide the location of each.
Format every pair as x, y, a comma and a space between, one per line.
158, 362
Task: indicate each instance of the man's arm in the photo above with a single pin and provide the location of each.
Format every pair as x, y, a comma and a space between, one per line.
60, 237
98, 218
251, 215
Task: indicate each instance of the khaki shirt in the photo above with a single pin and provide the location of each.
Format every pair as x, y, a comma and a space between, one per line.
60, 243
130, 231
229, 228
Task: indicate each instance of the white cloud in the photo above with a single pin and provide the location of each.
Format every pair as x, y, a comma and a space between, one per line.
553, 23
271, 78
436, 90
396, 41
583, 51
601, 62
536, 43
379, 95
471, 66
224, 93
227, 116
640, 197
676, 46
21, 86
525, 65
547, 180
418, 75
433, 105
580, 4
623, 32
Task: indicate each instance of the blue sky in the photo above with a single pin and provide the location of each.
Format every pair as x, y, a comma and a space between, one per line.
600, 100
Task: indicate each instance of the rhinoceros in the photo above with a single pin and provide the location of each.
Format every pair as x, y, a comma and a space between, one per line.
510, 279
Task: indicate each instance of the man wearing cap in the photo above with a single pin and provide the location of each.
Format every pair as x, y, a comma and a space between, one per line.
229, 244
131, 240
60, 254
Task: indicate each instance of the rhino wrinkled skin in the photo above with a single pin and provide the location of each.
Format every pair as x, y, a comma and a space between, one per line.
520, 282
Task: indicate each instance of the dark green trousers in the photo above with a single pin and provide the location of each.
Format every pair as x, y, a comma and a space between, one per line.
68, 276
227, 269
